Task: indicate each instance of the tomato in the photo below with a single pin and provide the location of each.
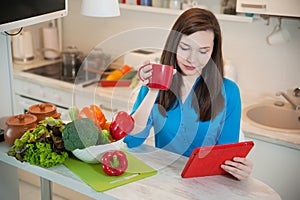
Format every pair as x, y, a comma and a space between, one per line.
95, 114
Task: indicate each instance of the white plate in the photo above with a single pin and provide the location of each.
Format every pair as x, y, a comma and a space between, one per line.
93, 154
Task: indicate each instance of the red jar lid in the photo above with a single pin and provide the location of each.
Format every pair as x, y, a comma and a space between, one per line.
21, 120
43, 108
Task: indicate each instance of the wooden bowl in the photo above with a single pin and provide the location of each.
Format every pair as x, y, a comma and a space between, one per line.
44, 110
17, 126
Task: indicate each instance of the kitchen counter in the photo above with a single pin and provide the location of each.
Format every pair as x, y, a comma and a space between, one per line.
167, 184
108, 92
286, 139
124, 98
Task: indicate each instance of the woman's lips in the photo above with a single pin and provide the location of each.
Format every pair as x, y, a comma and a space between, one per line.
190, 67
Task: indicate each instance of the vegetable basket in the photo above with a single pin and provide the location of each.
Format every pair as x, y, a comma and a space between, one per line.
93, 154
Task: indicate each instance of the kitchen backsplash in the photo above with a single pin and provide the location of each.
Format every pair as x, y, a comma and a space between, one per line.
259, 67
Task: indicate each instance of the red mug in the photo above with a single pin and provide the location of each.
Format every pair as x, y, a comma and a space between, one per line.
161, 76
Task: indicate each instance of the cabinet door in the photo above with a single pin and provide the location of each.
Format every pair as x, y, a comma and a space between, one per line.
289, 8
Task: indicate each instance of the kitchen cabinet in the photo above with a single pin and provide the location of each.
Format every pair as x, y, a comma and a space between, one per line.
167, 11
288, 8
278, 166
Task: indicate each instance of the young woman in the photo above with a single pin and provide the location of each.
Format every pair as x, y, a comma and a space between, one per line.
201, 108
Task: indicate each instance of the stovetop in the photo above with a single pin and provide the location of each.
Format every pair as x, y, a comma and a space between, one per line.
54, 71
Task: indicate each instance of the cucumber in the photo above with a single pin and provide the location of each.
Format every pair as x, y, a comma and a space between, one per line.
129, 75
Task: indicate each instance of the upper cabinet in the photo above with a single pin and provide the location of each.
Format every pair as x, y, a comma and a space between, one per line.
287, 8
168, 11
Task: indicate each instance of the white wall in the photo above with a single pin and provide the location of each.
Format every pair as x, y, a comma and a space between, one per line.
261, 68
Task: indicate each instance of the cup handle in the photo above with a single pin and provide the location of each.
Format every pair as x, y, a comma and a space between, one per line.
174, 71
139, 71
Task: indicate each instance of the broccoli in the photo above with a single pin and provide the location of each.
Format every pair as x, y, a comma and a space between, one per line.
79, 134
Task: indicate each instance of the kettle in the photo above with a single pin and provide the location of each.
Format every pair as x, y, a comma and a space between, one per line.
22, 47
72, 59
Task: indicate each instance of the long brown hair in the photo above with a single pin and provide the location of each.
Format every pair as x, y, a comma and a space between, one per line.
208, 100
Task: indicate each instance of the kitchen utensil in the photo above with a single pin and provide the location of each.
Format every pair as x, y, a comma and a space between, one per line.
1, 135
97, 60
157, 3
72, 59
296, 92
22, 47
17, 126
175, 4
2, 127
278, 36
161, 76
92, 154
96, 71
43, 110
145, 3
119, 83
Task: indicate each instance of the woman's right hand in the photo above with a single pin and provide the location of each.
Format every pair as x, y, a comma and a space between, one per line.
145, 72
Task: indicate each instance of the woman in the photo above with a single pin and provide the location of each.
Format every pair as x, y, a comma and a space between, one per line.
201, 108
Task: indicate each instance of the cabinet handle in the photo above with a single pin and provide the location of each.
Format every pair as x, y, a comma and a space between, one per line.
107, 108
258, 6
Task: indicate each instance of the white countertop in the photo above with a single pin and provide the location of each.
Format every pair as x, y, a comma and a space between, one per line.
126, 96
286, 139
122, 92
167, 184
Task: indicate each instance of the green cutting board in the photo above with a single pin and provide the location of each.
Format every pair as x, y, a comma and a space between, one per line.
93, 175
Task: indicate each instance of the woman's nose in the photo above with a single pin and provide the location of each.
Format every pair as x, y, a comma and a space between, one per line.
191, 57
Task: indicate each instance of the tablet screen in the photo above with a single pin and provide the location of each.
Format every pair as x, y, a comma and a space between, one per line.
206, 161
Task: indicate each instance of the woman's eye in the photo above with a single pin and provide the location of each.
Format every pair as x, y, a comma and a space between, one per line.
203, 52
184, 48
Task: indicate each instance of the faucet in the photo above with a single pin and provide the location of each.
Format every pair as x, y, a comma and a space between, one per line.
295, 106
297, 92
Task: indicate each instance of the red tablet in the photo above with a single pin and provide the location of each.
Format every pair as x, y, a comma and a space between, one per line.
206, 161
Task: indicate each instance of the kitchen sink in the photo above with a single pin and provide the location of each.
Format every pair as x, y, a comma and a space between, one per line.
275, 117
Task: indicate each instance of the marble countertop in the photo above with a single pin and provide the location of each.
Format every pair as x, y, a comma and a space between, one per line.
167, 184
126, 96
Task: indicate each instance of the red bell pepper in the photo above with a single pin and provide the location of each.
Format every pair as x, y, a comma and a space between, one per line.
95, 114
121, 125
114, 163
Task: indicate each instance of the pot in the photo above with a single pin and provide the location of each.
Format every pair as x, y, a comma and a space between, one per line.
17, 126
72, 59
43, 110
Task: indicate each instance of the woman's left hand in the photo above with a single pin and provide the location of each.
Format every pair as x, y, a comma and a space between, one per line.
240, 168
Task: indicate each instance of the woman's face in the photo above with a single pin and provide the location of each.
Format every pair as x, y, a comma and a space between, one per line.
194, 51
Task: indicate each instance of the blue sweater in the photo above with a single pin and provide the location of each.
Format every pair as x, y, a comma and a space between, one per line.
180, 132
